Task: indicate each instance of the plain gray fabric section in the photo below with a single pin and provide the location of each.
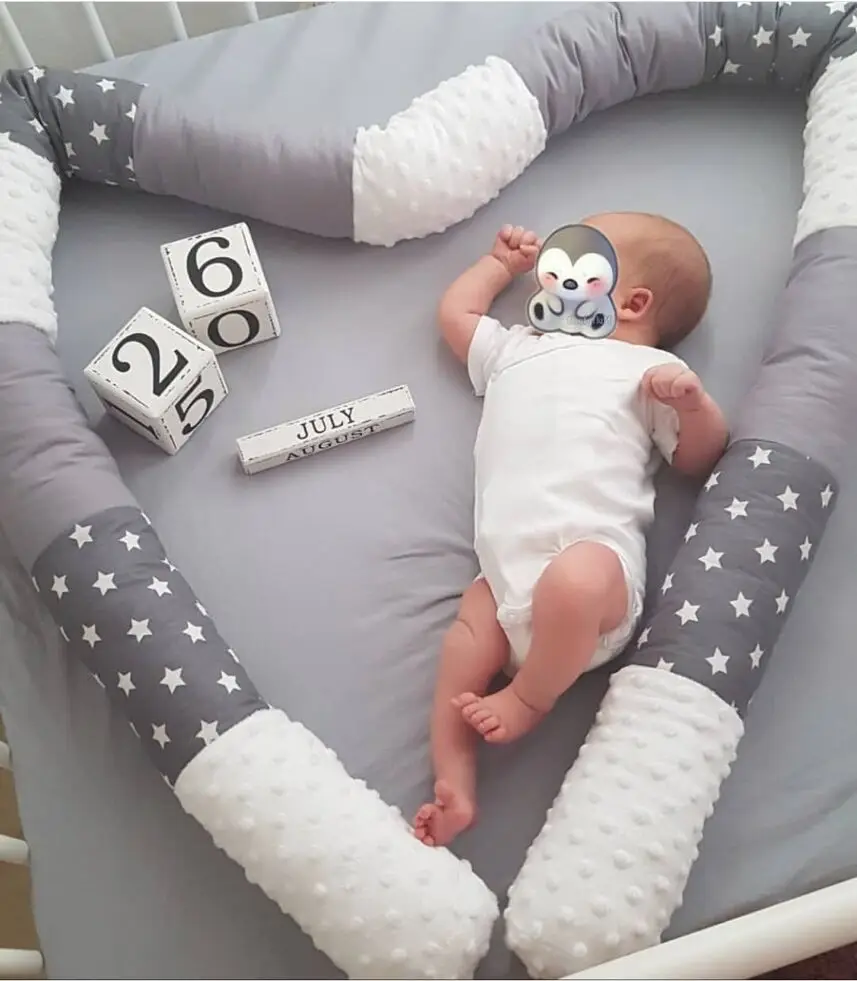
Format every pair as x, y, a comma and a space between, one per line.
334, 578
84, 124
127, 612
732, 586
53, 468
597, 55
784, 44
807, 391
261, 120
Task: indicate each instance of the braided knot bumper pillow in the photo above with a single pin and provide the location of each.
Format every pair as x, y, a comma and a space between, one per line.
609, 868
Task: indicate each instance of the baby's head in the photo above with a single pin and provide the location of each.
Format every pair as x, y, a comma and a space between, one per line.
664, 277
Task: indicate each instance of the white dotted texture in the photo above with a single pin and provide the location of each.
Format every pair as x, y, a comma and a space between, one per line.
608, 870
29, 218
830, 152
450, 152
334, 856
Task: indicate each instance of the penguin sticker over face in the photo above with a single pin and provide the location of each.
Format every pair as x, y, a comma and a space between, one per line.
577, 270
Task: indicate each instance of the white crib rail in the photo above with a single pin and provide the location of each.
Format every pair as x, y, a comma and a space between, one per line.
22, 49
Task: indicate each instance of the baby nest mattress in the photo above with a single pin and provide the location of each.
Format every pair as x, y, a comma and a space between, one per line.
336, 577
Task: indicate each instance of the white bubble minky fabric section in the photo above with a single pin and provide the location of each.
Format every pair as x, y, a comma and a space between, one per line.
830, 152
334, 856
450, 152
29, 219
607, 871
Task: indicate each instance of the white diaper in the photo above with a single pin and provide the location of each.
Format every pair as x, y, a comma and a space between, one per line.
514, 611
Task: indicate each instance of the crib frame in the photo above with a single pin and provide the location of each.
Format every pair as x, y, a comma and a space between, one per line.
739, 948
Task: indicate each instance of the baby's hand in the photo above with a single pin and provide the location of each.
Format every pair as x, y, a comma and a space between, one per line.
674, 385
516, 248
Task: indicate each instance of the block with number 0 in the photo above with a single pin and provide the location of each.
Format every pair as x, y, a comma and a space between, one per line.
157, 379
220, 290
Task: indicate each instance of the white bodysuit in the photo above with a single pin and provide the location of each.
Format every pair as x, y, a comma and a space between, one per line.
565, 453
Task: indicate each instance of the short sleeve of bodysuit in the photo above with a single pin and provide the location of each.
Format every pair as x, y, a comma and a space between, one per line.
491, 340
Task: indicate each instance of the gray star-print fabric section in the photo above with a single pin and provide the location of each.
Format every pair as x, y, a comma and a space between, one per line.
134, 621
84, 123
786, 44
754, 534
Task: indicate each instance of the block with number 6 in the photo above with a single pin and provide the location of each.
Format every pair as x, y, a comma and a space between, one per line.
220, 290
157, 379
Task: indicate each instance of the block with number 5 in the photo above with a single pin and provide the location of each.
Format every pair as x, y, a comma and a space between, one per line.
158, 380
220, 290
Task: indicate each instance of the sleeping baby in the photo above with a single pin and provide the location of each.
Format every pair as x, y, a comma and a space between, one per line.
565, 458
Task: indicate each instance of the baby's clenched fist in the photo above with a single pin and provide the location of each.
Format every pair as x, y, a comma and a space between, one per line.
516, 248
674, 385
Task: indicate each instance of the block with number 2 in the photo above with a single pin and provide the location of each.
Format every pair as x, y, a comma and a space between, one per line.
158, 380
220, 289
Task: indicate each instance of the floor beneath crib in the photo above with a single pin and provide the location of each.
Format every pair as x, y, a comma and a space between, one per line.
17, 928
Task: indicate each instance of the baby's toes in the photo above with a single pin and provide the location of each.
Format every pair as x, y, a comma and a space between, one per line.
466, 698
488, 725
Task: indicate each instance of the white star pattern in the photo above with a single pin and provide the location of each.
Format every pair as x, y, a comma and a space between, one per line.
789, 499
731, 67
159, 586
99, 133
99, 681
90, 635
36, 73
711, 559
805, 549
767, 552
712, 481
130, 541
760, 457
125, 683
799, 38
229, 682
852, 24
716, 35
65, 96
106, 85
644, 637
194, 632
159, 734
741, 605
64, 635
201, 609
665, 665
718, 661
756, 656
172, 679
130, 165
207, 732
232, 654
37, 126
139, 629
762, 37
737, 509
691, 532
667, 583
687, 613
104, 583
169, 565
836, 8
132, 112
826, 496
82, 534
782, 602
59, 587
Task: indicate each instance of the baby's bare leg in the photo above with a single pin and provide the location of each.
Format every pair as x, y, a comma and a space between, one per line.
473, 651
579, 597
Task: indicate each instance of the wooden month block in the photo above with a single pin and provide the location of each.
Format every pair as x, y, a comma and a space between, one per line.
157, 379
220, 289
324, 430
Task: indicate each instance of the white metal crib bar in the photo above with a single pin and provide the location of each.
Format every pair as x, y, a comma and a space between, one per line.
177, 21
15, 37
93, 18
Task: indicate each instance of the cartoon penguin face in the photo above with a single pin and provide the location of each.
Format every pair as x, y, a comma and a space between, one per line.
585, 277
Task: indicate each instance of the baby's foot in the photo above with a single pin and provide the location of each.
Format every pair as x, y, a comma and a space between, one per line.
439, 822
499, 718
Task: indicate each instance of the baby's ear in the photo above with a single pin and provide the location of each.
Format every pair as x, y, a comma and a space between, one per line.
635, 304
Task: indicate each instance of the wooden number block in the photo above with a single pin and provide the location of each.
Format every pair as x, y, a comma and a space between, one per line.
157, 379
220, 289
323, 430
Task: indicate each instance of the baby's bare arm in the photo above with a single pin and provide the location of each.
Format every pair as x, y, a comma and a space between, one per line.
471, 295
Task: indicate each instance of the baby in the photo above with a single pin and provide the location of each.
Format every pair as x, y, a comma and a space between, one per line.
564, 487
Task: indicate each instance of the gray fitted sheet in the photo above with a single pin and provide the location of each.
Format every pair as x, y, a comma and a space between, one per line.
334, 578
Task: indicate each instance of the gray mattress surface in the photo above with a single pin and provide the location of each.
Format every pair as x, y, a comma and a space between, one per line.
334, 578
